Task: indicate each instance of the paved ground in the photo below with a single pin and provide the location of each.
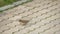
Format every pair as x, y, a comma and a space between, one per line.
43, 17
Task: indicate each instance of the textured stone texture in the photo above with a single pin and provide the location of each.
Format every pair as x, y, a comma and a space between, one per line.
43, 16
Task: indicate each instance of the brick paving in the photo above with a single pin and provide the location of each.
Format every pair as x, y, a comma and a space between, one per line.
43, 17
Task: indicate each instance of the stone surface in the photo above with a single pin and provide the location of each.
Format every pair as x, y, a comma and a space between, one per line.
43, 16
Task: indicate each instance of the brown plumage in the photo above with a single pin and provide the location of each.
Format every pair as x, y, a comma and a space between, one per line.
23, 22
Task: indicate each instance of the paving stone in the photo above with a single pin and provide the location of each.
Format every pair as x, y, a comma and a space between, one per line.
43, 17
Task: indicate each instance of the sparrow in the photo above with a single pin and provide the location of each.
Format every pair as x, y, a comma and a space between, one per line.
23, 22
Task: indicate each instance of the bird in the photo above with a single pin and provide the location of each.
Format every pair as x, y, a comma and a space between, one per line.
23, 22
